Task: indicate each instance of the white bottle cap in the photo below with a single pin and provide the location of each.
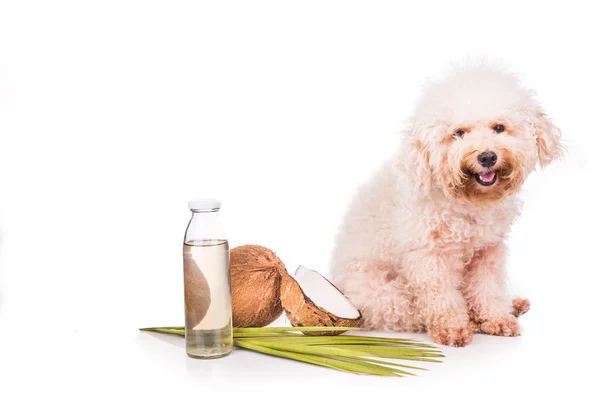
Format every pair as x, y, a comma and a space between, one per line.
204, 204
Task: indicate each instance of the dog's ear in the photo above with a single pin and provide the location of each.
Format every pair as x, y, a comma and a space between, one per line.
548, 138
414, 156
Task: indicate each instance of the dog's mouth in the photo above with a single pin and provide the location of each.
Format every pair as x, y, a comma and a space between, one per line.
475, 184
487, 179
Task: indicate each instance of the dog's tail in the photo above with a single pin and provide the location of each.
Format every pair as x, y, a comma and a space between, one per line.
520, 306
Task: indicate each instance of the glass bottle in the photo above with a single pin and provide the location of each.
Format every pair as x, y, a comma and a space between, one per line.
207, 283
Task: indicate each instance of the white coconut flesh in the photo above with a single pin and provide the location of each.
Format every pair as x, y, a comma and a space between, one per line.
323, 294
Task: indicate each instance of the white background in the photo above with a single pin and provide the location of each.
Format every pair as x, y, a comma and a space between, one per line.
113, 114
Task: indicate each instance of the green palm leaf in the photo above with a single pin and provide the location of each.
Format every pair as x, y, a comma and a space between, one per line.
349, 353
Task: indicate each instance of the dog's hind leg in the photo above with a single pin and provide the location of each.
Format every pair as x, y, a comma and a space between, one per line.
381, 295
520, 306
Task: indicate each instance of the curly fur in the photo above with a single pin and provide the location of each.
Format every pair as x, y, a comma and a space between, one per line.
422, 246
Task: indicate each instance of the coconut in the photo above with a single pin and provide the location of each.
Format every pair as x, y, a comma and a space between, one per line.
255, 284
309, 299
196, 292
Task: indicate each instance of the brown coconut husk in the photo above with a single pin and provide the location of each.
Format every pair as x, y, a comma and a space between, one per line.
302, 311
255, 286
196, 292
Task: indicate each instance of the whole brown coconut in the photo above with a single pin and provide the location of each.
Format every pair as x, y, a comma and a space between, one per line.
255, 284
196, 292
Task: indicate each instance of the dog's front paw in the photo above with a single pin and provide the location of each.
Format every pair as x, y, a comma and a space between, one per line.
503, 326
452, 336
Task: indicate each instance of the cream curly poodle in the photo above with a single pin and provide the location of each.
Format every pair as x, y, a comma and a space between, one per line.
422, 246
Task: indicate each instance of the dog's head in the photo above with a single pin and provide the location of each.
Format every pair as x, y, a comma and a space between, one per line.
476, 135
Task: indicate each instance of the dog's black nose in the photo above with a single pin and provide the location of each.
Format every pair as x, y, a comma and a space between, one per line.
487, 159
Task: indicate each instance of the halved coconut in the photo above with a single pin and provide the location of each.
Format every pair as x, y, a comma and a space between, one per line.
311, 300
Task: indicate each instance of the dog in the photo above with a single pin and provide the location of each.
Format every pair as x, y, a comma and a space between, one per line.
422, 246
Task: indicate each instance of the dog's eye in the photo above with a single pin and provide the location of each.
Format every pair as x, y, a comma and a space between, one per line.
459, 133
499, 128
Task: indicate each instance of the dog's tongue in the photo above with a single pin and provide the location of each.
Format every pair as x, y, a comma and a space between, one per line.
488, 177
